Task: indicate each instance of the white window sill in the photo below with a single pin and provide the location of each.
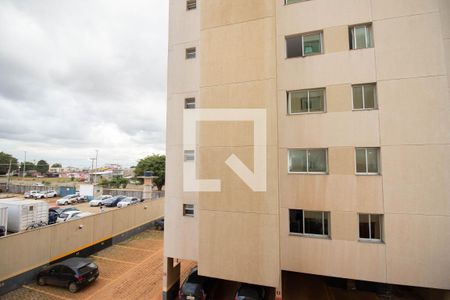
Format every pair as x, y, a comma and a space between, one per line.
315, 236
367, 174
307, 173
371, 241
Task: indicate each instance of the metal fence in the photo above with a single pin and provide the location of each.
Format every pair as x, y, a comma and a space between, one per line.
20, 189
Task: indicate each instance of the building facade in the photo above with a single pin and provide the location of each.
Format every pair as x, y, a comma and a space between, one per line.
356, 95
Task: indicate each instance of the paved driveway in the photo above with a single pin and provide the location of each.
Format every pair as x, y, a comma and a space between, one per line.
130, 270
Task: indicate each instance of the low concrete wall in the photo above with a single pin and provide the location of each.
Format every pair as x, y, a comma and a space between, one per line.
27, 251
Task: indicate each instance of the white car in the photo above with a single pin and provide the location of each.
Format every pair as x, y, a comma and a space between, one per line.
30, 194
72, 215
99, 201
51, 194
45, 194
69, 199
127, 201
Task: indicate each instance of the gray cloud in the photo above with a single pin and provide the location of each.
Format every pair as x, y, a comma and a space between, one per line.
79, 75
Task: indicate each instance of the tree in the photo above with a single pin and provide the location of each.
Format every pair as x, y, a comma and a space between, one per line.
28, 166
56, 165
42, 167
5, 159
155, 163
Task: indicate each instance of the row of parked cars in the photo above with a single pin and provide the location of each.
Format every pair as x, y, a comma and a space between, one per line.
116, 201
62, 214
197, 287
40, 194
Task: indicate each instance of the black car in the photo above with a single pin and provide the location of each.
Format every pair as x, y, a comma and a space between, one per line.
250, 292
2, 231
159, 224
72, 273
112, 202
196, 287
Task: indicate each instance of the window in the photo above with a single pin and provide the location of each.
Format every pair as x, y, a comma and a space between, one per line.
370, 227
191, 4
305, 101
189, 103
190, 53
360, 36
307, 160
287, 2
189, 155
367, 160
364, 96
188, 210
309, 222
304, 45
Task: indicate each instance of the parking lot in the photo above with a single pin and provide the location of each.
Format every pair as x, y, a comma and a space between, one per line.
129, 270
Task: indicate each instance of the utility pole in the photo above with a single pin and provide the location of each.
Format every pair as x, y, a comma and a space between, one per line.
96, 159
92, 169
24, 164
9, 174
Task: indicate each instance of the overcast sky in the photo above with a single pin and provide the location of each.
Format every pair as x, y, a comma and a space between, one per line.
81, 75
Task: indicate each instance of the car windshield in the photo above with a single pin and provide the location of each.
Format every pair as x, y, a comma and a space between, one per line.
68, 196
126, 200
64, 215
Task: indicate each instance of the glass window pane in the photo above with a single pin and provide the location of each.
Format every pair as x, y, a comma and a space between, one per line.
298, 101
189, 155
317, 159
294, 1
369, 36
312, 44
364, 226
361, 161
316, 100
372, 160
294, 46
295, 221
360, 33
369, 96
357, 97
313, 222
326, 217
297, 160
375, 227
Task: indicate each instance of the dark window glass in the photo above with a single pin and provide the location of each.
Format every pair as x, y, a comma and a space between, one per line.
190, 53
294, 46
372, 160
364, 226
357, 97
297, 160
295, 221
360, 160
375, 227
317, 160
313, 222
312, 43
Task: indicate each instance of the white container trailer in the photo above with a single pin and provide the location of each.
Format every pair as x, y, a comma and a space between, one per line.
24, 213
4, 217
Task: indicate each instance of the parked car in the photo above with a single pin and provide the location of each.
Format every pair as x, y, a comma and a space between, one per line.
127, 201
196, 287
80, 215
250, 292
112, 202
159, 224
45, 194
2, 231
53, 214
99, 201
30, 194
72, 273
68, 215
81, 199
69, 199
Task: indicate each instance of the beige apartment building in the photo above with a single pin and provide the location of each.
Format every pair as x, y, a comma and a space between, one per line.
356, 94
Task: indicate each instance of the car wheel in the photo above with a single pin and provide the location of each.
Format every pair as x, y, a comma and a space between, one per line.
66, 203
41, 281
73, 287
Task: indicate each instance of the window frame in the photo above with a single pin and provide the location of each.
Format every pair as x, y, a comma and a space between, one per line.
302, 35
367, 173
289, 112
375, 96
191, 55
307, 162
299, 1
370, 239
188, 207
369, 43
323, 236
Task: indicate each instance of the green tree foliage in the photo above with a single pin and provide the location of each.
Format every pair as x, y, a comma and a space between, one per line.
42, 167
56, 165
5, 158
116, 182
155, 163
29, 166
